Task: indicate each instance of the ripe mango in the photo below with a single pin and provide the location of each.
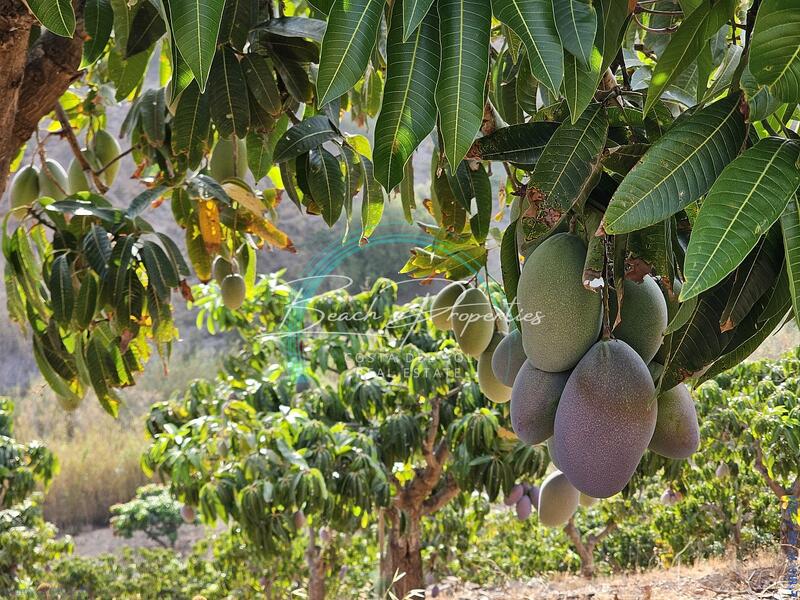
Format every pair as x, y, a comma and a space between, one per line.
508, 358
491, 387
644, 316
473, 321
558, 500
534, 400
605, 419
677, 434
560, 318
442, 306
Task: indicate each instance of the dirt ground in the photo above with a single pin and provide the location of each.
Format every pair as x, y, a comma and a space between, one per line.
103, 541
760, 578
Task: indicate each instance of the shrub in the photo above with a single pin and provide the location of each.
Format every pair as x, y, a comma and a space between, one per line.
153, 512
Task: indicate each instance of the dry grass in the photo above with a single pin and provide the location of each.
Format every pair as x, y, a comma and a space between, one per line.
99, 455
757, 577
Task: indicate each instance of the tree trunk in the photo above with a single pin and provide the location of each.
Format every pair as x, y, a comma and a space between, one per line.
790, 529
31, 79
15, 29
316, 567
403, 559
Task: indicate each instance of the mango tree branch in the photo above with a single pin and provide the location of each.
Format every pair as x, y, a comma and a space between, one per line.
69, 134
776, 488
438, 500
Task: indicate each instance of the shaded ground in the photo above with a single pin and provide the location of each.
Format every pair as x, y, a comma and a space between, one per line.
759, 578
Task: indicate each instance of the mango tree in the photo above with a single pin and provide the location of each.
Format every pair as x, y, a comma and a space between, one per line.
660, 125
375, 418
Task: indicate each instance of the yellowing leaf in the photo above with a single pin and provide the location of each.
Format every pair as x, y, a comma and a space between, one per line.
208, 221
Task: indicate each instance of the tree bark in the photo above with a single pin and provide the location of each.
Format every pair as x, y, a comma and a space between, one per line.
31, 80
15, 29
404, 555
790, 529
585, 549
316, 567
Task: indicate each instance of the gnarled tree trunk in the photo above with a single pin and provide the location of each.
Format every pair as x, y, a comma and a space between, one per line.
316, 567
585, 549
403, 558
31, 79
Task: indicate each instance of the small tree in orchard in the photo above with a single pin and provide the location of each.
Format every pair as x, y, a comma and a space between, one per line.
753, 423
154, 512
390, 425
27, 543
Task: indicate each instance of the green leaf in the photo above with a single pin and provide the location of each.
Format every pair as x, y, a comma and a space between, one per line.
679, 168
97, 249
346, 47
152, 107
303, 137
533, 22
407, 193
580, 85
326, 183
261, 82
195, 27
161, 272
56, 15
749, 196
146, 29
509, 266
127, 73
790, 222
521, 145
775, 48
62, 296
570, 163
408, 113
236, 20
613, 18
479, 222
175, 254
753, 278
576, 23
699, 342
303, 27
99, 19
58, 384
87, 301
464, 34
229, 106
683, 48
143, 200
123, 16
190, 127
372, 201
98, 368
414, 12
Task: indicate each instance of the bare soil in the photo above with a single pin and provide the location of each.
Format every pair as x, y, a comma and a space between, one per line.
758, 578
103, 541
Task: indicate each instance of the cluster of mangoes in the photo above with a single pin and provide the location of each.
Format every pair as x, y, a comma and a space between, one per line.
555, 501
53, 181
592, 399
